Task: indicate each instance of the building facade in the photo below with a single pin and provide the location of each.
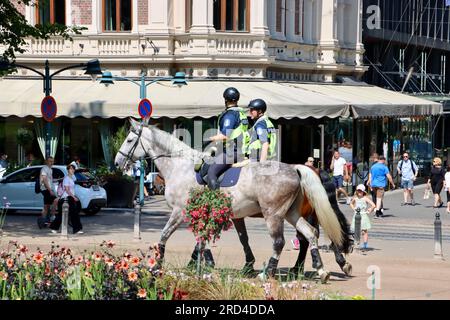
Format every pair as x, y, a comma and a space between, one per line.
280, 40
407, 45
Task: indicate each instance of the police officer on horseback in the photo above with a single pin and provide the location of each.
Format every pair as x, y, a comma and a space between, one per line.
233, 126
262, 134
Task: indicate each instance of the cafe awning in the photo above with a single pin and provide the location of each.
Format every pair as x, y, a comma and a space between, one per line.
203, 98
367, 101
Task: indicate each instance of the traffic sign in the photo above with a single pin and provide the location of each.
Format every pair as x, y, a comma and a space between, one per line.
48, 108
145, 108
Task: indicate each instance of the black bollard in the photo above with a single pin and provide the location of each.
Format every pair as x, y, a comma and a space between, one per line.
438, 237
358, 226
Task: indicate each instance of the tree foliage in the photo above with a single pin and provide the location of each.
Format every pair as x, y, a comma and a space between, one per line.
14, 28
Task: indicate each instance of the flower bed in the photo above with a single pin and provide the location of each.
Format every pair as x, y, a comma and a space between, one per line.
59, 274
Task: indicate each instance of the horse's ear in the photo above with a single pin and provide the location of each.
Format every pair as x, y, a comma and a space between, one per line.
134, 124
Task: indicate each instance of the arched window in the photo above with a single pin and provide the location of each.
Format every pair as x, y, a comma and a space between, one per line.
51, 11
117, 15
232, 15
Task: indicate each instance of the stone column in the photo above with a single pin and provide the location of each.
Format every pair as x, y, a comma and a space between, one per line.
96, 23
158, 17
327, 42
69, 12
202, 17
290, 17
134, 16
272, 16
258, 17
308, 25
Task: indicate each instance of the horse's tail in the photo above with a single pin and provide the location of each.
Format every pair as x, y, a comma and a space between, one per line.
312, 187
330, 188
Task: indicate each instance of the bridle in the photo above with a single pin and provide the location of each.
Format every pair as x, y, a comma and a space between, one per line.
129, 156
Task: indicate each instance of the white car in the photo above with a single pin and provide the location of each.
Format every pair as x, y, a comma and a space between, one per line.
17, 189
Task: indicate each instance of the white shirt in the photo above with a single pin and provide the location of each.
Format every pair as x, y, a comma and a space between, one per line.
339, 164
447, 181
47, 172
68, 182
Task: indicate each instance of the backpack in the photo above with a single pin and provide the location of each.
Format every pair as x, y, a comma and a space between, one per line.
37, 184
412, 166
60, 189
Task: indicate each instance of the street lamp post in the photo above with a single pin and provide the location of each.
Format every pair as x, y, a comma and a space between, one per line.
108, 79
92, 68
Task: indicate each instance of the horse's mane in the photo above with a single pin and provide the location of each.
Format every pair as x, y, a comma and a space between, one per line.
173, 145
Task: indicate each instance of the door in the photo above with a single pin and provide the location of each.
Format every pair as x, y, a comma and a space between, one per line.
18, 188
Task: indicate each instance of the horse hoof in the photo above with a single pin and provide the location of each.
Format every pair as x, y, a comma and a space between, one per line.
324, 276
248, 270
347, 268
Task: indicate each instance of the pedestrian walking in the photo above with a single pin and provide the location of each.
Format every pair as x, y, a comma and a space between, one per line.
74, 204
447, 187
48, 192
340, 172
408, 171
76, 162
436, 181
378, 177
366, 206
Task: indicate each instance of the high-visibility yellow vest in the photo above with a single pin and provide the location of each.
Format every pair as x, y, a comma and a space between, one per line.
241, 129
271, 135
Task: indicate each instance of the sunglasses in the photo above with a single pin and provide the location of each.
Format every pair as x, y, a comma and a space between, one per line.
406, 157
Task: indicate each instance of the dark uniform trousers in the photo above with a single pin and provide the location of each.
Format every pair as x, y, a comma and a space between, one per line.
74, 215
222, 162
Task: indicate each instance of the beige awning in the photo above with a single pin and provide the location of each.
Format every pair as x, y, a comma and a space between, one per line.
82, 98
203, 98
371, 101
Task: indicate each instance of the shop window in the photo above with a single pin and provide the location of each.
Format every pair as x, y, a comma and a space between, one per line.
117, 15
51, 12
232, 15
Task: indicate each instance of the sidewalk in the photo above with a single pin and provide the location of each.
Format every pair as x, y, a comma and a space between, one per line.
402, 246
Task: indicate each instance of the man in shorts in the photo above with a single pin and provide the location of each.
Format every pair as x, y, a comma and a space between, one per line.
408, 170
47, 190
339, 167
378, 176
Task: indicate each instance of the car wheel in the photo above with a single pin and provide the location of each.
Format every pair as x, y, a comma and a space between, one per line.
91, 211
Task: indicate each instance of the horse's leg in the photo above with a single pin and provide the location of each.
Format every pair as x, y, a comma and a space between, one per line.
275, 225
303, 250
176, 218
239, 224
207, 256
340, 259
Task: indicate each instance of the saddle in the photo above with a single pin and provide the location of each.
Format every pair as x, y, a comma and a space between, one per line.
228, 179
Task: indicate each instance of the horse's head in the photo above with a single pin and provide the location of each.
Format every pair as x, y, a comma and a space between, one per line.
133, 147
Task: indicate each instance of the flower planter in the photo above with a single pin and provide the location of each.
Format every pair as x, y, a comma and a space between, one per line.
120, 193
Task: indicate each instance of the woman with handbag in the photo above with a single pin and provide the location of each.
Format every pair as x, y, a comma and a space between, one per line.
437, 181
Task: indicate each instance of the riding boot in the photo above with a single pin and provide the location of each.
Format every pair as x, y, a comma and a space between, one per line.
213, 183
209, 260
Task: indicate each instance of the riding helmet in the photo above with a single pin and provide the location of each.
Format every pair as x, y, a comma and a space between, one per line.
258, 104
231, 94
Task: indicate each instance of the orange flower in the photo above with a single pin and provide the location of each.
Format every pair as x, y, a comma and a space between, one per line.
151, 262
135, 261
132, 276
22, 249
124, 265
142, 293
38, 258
10, 263
3, 275
109, 262
97, 256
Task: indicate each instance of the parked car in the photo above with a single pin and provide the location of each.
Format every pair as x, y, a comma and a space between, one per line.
18, 189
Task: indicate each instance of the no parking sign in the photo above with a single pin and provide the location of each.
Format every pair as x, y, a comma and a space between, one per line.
48, 108
145, 108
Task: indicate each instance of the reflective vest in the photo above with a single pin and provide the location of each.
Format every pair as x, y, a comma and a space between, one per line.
271, 135
241, 129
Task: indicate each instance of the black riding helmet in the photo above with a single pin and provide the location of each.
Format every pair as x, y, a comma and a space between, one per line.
258, 104
231, 94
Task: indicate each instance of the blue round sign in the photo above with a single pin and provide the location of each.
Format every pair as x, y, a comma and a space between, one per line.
145, 108
48, 108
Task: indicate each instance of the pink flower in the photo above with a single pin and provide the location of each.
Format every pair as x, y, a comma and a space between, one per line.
132, 276
142, 293
151, 262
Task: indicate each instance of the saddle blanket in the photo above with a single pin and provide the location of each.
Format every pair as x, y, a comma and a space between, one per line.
228, 179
